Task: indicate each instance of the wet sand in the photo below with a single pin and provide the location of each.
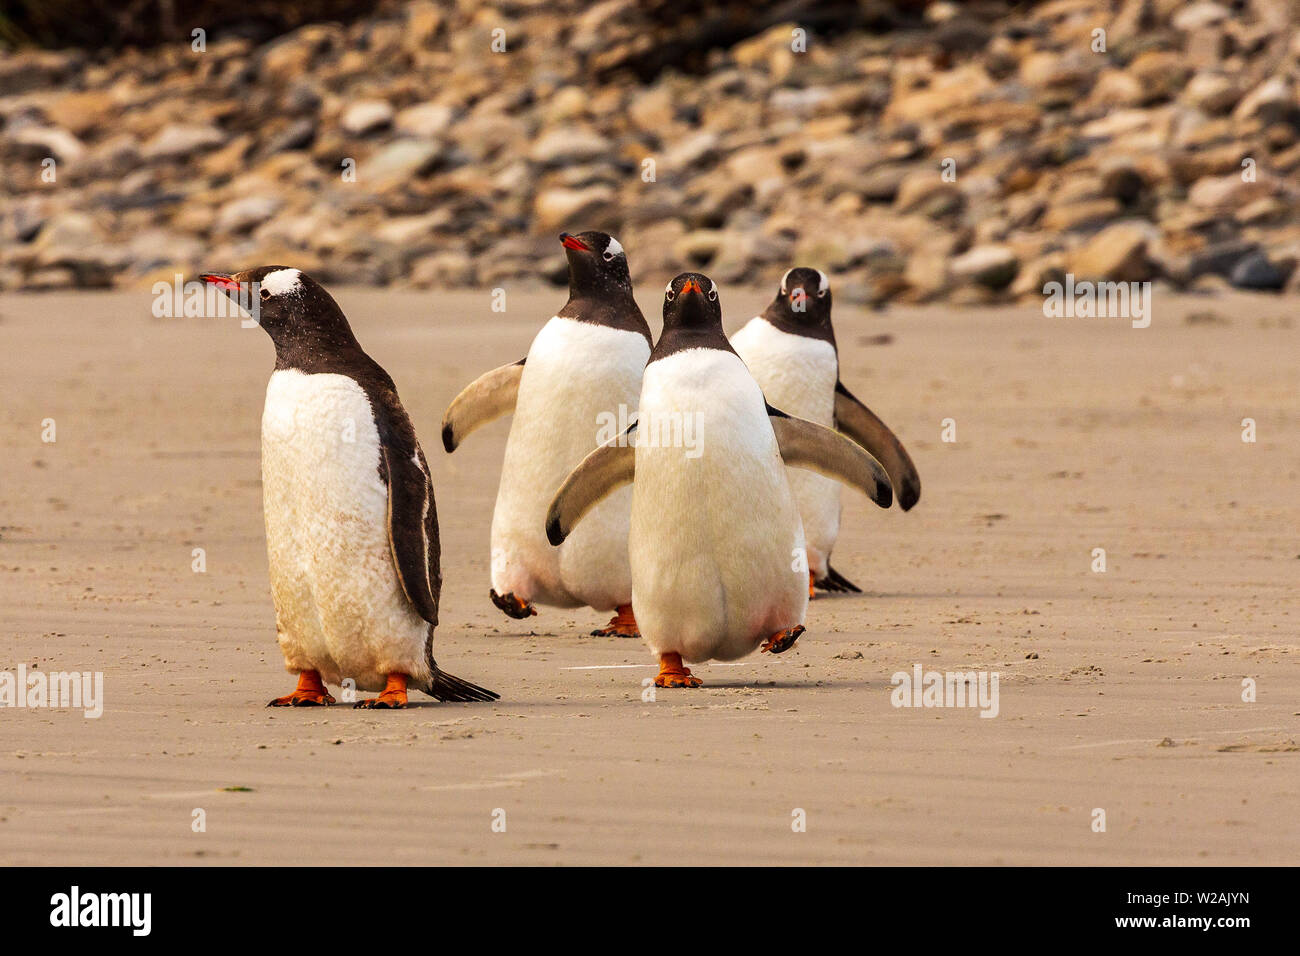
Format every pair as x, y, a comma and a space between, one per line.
1120, 691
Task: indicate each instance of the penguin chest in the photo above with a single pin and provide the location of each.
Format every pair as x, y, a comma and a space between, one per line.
338, 601
320, 460
796, 373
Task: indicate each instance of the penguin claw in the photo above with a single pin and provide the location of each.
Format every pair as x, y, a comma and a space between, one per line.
310, 692
393, 696
673, 673
302, 700
677, 680
512, 606
623, 624
782, 640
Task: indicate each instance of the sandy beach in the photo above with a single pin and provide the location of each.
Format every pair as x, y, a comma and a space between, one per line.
1120, 691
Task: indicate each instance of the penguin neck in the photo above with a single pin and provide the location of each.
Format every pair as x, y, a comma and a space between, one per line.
678, 338
317, 349
778, 314
609, 303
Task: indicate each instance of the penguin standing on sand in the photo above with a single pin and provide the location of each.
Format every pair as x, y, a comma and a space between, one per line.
790, 351
581, 377
351, 525
716, 540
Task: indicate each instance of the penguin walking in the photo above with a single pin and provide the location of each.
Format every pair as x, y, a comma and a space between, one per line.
790, 350
580, 379
351, 524
716, 540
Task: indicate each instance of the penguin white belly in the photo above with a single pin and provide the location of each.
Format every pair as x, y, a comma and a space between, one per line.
339, 606
715, 538
798, 375
576, 378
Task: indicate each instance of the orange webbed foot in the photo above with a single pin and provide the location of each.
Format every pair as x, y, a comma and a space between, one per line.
812, 581
310, 692
623, 624
782, 640
673, 673
393, 696
512, 606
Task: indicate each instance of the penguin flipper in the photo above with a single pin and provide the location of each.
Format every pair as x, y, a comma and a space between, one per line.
413, 529
483, 400
864, 427
609, 467
805, 444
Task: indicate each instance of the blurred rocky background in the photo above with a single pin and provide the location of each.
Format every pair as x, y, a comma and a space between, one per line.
916, 151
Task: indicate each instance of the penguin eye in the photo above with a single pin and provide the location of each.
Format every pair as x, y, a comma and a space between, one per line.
266, 294
713, 295
670, 295
821, 293
609, 257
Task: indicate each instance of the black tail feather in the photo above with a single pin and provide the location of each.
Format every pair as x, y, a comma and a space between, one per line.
834, 581
449, 688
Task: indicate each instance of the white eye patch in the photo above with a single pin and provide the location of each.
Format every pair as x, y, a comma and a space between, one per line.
613, 249
282, 281
783, 280
825, 285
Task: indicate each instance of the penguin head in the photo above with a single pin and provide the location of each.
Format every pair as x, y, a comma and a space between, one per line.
691, 301
286, 302
597, 262
804, 298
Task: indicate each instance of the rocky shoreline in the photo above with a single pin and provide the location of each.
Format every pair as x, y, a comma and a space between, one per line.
971, 153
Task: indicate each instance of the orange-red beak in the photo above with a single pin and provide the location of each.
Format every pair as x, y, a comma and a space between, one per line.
220, 280
573, 242
692, 286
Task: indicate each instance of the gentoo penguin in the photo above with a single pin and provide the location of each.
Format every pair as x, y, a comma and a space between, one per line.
581, 377
351, 526
790, 351
716, 541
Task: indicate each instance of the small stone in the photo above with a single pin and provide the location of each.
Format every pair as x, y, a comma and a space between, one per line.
1117, 253
573, 209
424, 120
1255, 271
366, 117
993, 267
244, 213
569, 145
180, 140
400, 160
